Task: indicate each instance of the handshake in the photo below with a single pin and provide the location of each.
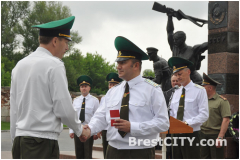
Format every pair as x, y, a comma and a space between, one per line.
86, 134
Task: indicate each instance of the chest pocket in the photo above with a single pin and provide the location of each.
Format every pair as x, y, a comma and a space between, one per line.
114, 104
137, 103
214, 109
190, 104
89, 107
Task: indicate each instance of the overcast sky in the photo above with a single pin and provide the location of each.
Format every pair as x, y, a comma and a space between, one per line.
99, 23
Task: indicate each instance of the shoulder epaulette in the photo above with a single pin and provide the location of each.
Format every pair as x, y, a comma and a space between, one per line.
151, 83
76, 98
198, 86
223, 97
94, 97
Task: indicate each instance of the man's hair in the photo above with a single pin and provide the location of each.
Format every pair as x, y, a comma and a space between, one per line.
181, 34
185, 69
172, 76
46, 40
137, 60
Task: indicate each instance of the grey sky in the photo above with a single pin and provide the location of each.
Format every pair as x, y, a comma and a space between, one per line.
99, 23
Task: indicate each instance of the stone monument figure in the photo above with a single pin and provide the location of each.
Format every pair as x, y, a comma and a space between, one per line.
161, 69
181, 49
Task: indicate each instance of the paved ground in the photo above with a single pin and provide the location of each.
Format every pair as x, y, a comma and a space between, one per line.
66, 144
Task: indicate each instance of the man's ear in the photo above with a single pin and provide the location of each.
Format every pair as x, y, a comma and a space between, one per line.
137, 65
54, 41
189, 71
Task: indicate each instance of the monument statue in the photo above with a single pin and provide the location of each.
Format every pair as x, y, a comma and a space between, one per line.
161, 69
181, 49
177, 40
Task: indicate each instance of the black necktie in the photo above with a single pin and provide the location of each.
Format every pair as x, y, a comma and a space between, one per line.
180, 111
124, 108
82, 113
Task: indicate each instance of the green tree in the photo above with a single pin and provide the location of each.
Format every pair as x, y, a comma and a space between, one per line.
148, 73
11, 14
93, 65
43, 12
6, 68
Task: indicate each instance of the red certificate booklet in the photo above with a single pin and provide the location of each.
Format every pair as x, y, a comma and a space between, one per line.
114, 114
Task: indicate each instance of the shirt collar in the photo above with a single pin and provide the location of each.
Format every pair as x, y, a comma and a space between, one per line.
41, 49
215, 96
134, 81
189, 85
88, 96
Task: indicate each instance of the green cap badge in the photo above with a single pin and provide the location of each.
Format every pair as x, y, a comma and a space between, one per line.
60, 28
128, 50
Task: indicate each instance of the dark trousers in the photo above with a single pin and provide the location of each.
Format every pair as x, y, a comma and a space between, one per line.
208, 152
104, 142
83, 150
114, 153
25, 147
186, 151
169, 148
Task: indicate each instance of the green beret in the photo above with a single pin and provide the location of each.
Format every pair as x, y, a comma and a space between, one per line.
209, 81
84, 80
113, 78
128, 50
60, 28
178, 63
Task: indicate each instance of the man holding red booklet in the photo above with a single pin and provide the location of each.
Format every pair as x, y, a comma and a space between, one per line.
134, 109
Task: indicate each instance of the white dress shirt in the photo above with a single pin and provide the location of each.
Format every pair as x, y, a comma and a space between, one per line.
102, 103
91, 105
195, 105
147, 113
39, 98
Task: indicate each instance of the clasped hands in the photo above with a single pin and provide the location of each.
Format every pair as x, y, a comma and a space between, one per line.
86, 133
120, 124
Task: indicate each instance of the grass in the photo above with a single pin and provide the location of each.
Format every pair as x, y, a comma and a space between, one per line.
5, 125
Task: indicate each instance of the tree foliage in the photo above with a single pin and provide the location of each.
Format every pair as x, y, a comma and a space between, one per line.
148, 73
6, 67
18, 17
43, 12
11, 14
93, 65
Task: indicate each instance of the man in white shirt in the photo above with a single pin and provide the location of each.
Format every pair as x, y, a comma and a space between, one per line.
39, 98
113, 80
189, 105
138, 102
85, 105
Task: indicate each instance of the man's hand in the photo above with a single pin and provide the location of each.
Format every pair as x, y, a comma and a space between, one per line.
86, 133
170, 12
219, 143
95, 137
99, 135
71, 135
122, 125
